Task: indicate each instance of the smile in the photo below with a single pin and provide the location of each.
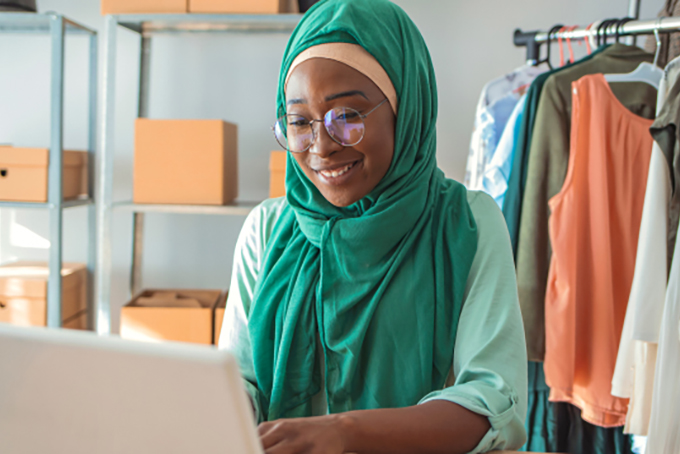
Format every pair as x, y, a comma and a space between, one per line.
340, 175
337, 172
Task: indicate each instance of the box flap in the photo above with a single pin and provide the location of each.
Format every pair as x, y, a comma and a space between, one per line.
277, 161
29, 279
38, 157
176, 299
222, 302
14, 156
161, 301
74, 158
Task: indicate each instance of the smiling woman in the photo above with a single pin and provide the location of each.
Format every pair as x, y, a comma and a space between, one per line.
343, 171
374, 308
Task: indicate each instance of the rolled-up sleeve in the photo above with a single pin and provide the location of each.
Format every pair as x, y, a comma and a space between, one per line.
489, 358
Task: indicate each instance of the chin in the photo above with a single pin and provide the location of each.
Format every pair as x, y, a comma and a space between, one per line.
341, 202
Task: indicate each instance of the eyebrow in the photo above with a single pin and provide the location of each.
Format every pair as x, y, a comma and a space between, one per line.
344, 94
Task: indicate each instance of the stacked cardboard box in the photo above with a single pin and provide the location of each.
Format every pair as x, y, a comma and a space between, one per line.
23, 294
24, 174
172, 315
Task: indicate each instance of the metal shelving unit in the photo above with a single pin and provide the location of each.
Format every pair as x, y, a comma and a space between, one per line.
57, 26
147, 26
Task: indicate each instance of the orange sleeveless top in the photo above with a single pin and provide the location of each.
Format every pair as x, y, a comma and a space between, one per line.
594, 233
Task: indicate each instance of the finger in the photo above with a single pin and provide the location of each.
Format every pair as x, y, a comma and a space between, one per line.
264, 427
284, 447
275, 434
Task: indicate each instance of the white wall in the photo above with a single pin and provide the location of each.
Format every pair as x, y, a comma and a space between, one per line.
234, 77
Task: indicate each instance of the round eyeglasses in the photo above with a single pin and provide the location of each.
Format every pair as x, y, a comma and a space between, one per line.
344, 125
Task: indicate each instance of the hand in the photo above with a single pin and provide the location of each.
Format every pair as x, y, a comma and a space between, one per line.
314, 435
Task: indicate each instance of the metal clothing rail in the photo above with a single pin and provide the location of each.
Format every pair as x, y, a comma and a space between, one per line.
533, 40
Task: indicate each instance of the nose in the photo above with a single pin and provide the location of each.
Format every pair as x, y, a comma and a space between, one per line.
323, 144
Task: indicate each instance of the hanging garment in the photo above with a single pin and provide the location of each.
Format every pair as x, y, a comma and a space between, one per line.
558, 426
512, 202
497, 172
664, 425
665, 133
496, 104
670, 42
548, 158
636, 359
551, 426
594, 230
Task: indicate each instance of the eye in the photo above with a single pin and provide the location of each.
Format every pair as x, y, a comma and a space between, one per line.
348, 115
297, 121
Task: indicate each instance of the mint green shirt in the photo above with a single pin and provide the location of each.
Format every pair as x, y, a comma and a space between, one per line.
488, 369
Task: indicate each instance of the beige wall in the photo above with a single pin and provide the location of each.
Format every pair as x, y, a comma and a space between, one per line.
234, 77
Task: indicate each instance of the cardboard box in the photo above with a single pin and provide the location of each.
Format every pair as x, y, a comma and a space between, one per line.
24, 174
174, 315
277, 174
243, 6
185, 162
78, 321
23, 292
144, 6
219, 317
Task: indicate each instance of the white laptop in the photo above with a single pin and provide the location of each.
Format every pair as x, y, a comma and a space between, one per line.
73, 392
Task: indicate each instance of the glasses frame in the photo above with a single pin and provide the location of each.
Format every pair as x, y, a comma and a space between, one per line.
322, 121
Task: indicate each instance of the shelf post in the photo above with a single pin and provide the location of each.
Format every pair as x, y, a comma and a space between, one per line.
91, 157
104, 185
54, 192
138, 218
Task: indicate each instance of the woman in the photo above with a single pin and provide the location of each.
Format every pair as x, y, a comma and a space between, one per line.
374, 308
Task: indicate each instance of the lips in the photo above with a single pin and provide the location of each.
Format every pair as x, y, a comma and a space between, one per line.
337, 174
334, 173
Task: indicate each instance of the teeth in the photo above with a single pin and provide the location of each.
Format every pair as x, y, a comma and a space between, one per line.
335, 173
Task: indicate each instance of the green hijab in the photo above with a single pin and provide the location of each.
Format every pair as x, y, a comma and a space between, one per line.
380, 284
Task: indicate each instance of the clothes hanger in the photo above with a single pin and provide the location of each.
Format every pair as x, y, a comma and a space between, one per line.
591, 40
572, 59
602, 24
602, 31
547, 58
646, 72
620, 24
588, 39
559, 44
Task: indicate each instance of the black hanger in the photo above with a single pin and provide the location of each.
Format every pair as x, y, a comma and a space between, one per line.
602, 31
556, 28
620, 24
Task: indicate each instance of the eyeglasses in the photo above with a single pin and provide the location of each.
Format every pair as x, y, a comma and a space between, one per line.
344, 125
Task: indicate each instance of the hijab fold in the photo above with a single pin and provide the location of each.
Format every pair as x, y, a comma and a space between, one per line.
380, 284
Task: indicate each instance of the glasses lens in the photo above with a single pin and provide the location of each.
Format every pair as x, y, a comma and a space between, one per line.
294, 133
345, 125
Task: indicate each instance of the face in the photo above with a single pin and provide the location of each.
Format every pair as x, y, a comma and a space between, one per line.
315, 87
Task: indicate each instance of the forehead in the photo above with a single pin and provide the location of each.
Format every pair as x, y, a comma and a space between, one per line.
321, 77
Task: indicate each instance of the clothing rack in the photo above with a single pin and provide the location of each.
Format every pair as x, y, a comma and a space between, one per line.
533, 40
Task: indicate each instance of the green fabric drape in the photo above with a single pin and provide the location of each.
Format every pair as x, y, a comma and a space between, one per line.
379, 283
